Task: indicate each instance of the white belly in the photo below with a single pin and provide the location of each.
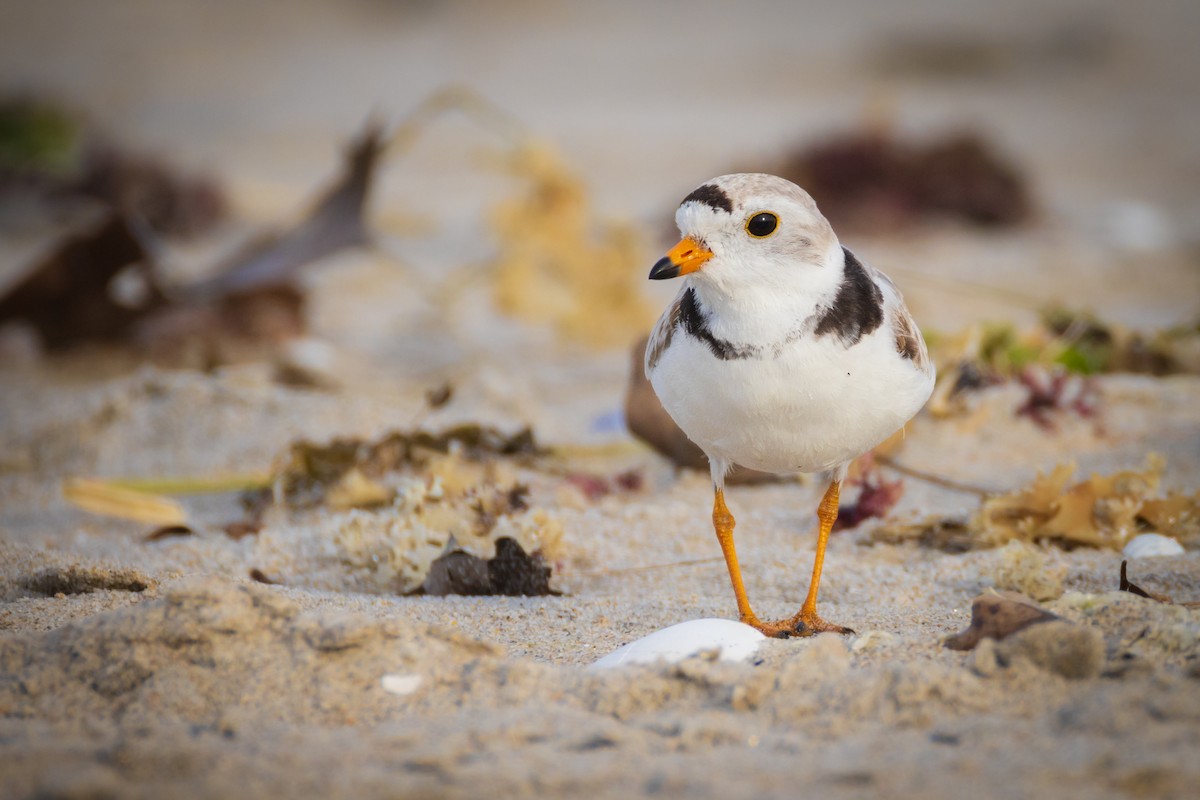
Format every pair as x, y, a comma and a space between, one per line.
815, 407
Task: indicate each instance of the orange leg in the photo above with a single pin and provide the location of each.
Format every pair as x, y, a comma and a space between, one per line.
806, 622
724, 523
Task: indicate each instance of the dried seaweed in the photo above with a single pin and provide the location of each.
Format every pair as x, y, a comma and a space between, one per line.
50, 153
346, 468
102, 284
403, 501
594, 487
95, 285
258, 576
1102, 511
1054, 361
875, 499
557, 264
1057, 392
946, 534
868, 179
84, 580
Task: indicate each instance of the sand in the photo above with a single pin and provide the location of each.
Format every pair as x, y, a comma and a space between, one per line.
134, 668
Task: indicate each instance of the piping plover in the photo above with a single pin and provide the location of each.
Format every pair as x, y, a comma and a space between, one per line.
782, 352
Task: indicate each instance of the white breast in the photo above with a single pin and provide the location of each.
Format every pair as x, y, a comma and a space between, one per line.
816, 406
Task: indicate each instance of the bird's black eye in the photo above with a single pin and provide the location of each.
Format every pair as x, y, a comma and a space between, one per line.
762, 224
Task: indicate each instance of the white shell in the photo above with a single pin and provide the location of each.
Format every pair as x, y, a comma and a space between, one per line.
400, 684
735, 641
1152, 544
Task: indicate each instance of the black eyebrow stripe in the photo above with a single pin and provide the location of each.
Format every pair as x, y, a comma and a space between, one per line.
712, 196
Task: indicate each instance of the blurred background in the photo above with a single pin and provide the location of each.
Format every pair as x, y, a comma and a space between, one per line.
1060, 138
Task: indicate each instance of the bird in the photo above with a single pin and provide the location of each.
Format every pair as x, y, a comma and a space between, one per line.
782, 352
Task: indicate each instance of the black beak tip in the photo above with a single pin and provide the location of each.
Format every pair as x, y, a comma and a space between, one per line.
663, 270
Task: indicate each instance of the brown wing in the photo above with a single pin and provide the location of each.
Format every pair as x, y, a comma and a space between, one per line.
664, 330
909, 342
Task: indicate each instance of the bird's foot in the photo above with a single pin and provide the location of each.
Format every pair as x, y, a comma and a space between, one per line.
803, 624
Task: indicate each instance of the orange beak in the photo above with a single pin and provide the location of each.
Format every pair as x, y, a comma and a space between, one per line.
682, 259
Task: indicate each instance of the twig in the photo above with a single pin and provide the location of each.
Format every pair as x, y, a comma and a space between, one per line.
457, 98
936, 480
648, 567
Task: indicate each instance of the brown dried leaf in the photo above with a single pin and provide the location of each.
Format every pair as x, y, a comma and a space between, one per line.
169, 532
511, 572
242, 528
258, 576
997, 615
335, 222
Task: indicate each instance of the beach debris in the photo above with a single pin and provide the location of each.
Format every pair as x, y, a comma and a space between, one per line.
169, 532
1149, 545
1056, 391
438, 396
456, 521
401, 684
947, 534
1055, 361
593, 487
1102, 511
79, 579
240, 529
258, 576
732, 641
876, 498
557, 264
102, 282
52, 154
996, 615
109, 499
96, 284
511, 572
424, 511
346, 472
336, 221
869, 179
1128, 586
1029, 570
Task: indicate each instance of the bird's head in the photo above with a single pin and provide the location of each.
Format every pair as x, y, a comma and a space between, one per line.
751, 230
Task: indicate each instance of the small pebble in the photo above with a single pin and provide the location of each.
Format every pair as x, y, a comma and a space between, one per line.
400, 684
